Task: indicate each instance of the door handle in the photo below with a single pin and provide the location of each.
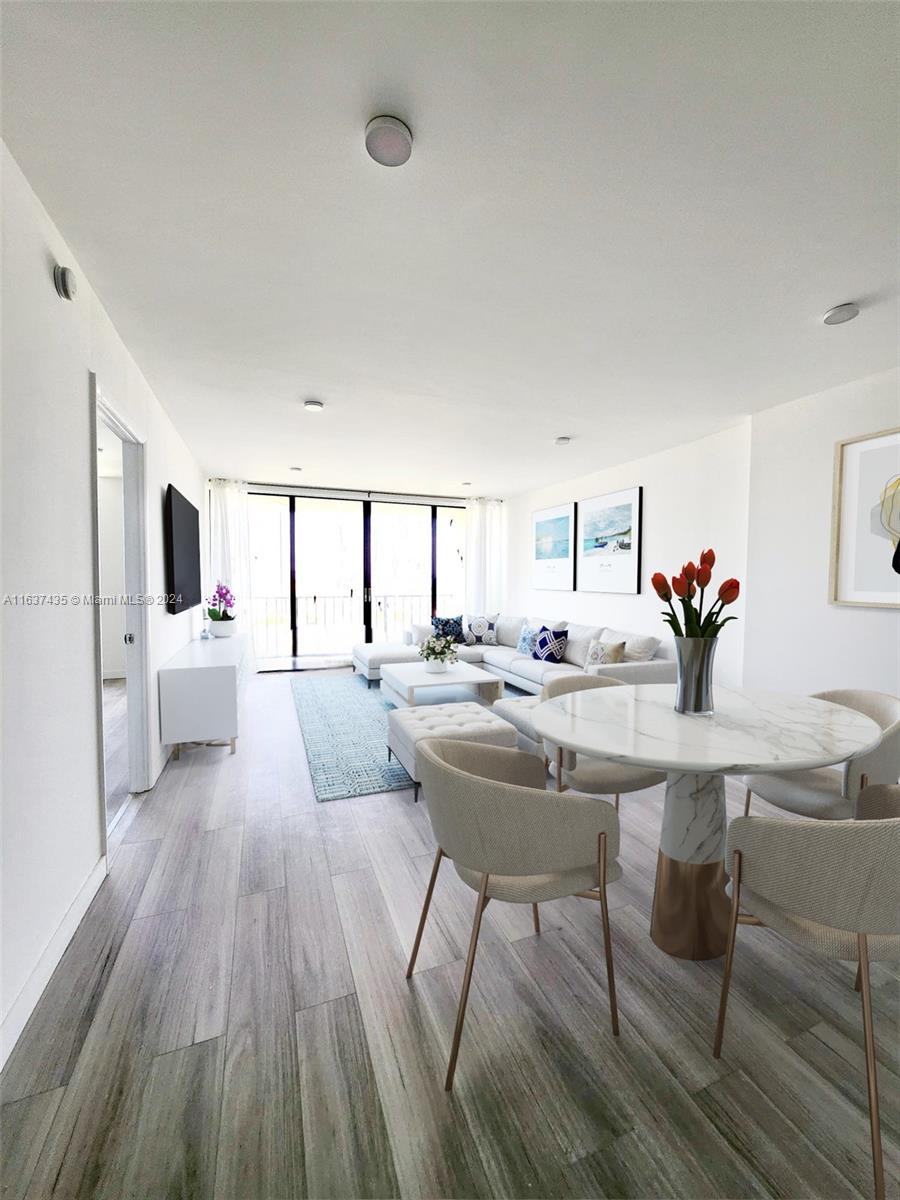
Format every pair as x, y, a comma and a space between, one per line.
129, 639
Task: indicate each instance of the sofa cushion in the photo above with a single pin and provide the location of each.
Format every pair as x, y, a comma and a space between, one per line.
420, 633
517, 710
638, 647
508, 630
550, 645
377, 654
580, 637
535, 670
499, 656
451, 627
470, 654
482, 631
602, 653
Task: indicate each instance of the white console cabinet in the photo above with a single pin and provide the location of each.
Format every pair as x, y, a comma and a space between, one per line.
200, 692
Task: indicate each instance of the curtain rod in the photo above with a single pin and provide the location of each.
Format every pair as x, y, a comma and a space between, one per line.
291, 489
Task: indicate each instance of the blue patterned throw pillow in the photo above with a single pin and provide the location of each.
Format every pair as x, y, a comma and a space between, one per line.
550, 645
482, 631
528, 639
451, 627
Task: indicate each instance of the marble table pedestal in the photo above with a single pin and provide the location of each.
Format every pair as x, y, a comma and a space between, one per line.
690, 905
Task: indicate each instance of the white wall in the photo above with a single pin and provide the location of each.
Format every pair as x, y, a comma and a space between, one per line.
51, 810
694, 496
112, 575
796, 640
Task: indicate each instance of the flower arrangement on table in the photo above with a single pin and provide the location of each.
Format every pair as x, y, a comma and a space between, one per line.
697, 632
220, 604
438, 651
694, 579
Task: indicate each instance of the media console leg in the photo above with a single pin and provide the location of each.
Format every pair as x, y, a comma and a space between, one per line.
234, 745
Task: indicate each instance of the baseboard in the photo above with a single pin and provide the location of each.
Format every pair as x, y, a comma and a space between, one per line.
23, 1005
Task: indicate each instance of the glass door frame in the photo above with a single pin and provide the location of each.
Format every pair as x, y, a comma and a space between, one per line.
365, 499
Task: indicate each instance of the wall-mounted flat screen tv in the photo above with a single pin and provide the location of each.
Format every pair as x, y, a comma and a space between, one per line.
182, 540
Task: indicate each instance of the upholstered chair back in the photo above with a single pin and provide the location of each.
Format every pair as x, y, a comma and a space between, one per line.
490, 811
878, 802
841, 874
881, 765
561, 687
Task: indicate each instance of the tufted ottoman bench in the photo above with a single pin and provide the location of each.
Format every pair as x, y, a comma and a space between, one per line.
467, 722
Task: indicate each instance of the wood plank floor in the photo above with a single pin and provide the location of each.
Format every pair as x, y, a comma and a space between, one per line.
231, 1020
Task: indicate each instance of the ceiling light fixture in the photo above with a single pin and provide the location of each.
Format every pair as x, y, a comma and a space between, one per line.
466, 483
388, 141
841, 314
295, 468
562, 441
313, 405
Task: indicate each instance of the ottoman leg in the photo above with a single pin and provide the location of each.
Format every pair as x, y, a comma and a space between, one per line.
416, 786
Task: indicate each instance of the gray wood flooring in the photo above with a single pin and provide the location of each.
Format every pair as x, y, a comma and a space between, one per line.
231, 1020
115, 746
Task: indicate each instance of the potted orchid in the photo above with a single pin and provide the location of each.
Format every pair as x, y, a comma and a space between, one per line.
218, 609
437, 652
697, 631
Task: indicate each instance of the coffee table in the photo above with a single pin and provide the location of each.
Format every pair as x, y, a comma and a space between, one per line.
401, 681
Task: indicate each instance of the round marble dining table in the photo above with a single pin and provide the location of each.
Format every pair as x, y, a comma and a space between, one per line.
749, 731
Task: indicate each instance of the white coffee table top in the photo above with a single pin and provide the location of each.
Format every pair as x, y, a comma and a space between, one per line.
406, 675
749, 731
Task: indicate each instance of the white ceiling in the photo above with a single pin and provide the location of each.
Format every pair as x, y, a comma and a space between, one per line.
620, 222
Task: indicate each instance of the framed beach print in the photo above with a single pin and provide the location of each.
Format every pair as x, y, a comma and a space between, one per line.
865, 521
609, 542
553, 548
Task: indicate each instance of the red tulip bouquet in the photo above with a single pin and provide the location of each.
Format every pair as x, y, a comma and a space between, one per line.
693, 579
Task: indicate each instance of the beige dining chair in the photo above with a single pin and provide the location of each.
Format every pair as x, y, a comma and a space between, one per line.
823, 792
832, 887
594, 776
510, 839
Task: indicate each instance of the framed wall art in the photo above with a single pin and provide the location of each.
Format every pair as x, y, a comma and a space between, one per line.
609, 542
865, 521
553, 548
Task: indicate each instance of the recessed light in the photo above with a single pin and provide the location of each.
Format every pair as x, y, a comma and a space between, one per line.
388, 141
562, 441
296, 468
465, 483
841, 313
313, 405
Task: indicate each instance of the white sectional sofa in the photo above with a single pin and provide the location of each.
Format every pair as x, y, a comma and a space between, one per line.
647, 660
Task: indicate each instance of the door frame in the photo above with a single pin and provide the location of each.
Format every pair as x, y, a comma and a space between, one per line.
137, 615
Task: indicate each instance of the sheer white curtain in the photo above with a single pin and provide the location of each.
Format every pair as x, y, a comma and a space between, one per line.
485, 557
229, 549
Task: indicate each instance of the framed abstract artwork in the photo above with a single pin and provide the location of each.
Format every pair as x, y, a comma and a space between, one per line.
609, 542
865, 521
553, 548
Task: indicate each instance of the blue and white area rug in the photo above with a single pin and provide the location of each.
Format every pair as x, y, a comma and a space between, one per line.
345, 730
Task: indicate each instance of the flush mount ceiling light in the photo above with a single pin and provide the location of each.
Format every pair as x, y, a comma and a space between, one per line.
388, 141
841, 313
295, 468
313, 405
562, 441
466, 483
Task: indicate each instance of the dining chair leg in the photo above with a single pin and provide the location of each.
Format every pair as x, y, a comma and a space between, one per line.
425, 907
729, 949
537, 918
467, 979
871, 1078
747, 803
559, 762
607, 937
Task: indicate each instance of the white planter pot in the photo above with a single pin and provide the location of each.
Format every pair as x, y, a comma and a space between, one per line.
222, 628
433, 667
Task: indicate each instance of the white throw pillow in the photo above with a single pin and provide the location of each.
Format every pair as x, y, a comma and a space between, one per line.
602, 654
508, 630
421, 633
580, 638
638, 647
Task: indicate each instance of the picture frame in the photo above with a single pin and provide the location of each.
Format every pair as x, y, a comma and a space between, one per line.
864, 568
553, 548
609, 542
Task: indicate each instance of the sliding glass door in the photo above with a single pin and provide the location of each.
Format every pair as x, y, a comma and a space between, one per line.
327, 573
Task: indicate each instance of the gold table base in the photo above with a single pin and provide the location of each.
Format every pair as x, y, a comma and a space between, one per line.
690, 908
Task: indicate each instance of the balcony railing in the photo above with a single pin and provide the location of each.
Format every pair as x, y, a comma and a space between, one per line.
331, 624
